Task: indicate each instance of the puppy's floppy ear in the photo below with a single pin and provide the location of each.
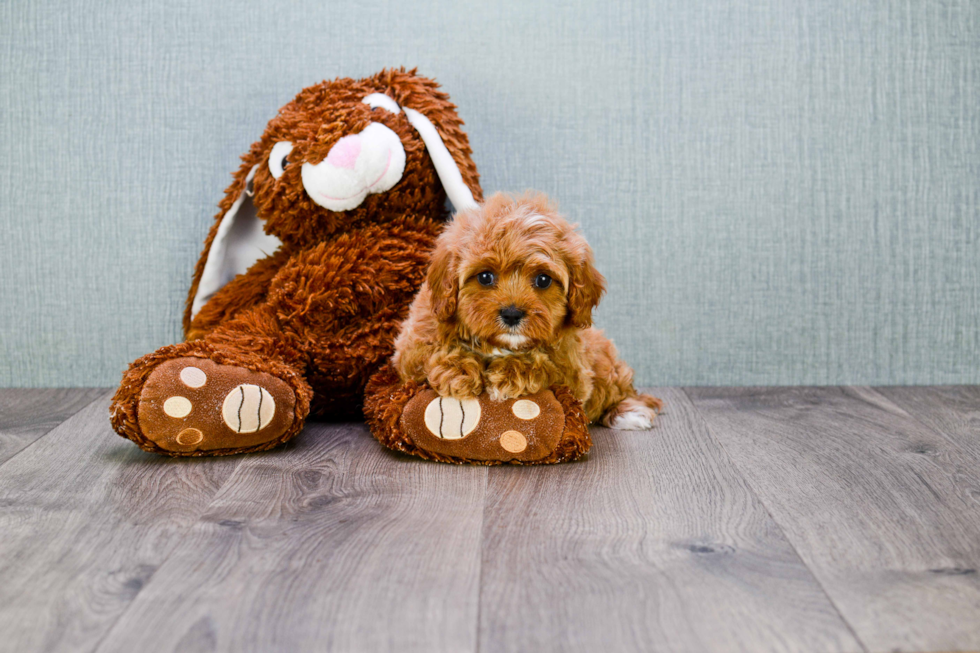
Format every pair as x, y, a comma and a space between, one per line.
585, 285
443, 280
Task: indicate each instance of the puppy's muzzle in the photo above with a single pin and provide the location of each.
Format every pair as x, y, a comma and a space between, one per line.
511, 315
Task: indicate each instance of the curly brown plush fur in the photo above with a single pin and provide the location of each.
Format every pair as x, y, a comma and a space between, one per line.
321, 313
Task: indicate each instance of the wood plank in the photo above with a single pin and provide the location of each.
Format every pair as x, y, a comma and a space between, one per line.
884, 510
86, 518
654, 543
28, 413
339, 545
952, 410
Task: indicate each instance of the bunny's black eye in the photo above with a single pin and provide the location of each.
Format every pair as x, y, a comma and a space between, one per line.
486, 278
278, 158
542, 281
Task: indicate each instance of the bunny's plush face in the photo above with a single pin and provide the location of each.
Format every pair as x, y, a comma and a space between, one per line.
341, 155
345, 152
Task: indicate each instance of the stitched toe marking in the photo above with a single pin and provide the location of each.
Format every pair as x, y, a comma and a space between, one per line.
177, 407
513, 441
452, 419
525, 409
189, 437
193, 377
248, 408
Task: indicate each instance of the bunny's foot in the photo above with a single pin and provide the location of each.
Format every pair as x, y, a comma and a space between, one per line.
546, 427
193, 406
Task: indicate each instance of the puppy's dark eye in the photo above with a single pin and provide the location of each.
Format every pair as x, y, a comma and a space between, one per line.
285, 162
486, 278
542, 281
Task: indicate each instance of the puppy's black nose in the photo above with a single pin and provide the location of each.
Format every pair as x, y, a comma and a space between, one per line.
512, 315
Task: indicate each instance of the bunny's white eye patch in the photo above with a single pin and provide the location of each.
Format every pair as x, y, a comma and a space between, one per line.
279, 158
376, 100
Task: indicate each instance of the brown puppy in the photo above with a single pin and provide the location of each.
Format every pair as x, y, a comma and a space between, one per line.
507, 309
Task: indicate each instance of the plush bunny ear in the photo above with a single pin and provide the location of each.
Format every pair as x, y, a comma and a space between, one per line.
449, 174
235, 243
434, 117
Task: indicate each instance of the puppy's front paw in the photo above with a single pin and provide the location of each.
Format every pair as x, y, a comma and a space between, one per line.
456, 376
502, 389
511, 377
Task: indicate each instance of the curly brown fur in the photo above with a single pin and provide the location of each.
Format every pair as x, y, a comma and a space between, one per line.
322, 312
457, 337
314, 121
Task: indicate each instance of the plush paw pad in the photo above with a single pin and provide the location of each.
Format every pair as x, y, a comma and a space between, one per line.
523, 430
248, 408
193, 404
513, 441
452, 419
525, 409
189, 437
193, 377
177, 407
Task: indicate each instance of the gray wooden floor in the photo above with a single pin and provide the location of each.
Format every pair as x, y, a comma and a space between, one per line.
792, 519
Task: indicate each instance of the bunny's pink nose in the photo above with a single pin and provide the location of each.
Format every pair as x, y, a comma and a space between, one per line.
345, 152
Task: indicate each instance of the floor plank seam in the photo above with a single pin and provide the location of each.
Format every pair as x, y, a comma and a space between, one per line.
782, 530
950, 440
45, 434
483, 535
111, 629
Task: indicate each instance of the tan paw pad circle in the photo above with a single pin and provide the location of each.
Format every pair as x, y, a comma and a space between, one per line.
193, 377
248, 408
452, 419
188, 437
525, 409
513, 441
177, 407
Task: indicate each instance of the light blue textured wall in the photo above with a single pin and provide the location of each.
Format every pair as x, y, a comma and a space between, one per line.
778, 191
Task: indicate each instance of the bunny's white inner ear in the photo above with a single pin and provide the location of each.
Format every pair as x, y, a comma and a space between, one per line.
239, 243
449, 174
375, 100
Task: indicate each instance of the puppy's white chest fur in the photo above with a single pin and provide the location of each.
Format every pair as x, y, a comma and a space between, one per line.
514, 340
